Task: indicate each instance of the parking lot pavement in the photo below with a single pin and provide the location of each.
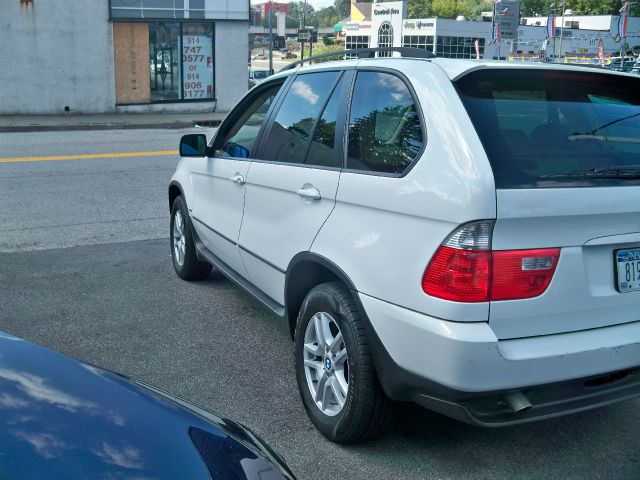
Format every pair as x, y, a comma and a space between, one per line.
111, 298
120, 306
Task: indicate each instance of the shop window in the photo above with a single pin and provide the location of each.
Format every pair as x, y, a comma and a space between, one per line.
355, 42
418, 41
385, 38
458, 47
197, 61
164, 61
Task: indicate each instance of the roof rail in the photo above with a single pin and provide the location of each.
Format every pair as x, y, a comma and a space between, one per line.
410, 52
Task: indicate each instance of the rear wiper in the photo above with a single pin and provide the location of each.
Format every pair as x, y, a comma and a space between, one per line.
602, 138
613, 122
630, 173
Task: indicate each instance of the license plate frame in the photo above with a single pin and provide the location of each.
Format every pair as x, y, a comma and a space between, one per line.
620, 257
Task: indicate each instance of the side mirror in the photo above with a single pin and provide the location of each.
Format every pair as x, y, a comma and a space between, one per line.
194, 145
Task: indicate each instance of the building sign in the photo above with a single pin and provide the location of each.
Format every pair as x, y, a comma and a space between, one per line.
418, 25
356, 27
386, 11
509, 12
307, 35
389, 16
197, 65
179, 9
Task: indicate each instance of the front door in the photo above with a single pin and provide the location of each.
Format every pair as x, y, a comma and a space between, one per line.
219, 183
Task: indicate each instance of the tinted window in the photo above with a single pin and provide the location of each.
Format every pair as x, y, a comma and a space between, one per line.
239, 140
384, 126
322, 150
291, 130
554, 128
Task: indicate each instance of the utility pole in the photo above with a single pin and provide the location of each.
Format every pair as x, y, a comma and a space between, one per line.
270, 37
300, 17
564, 5
553, 31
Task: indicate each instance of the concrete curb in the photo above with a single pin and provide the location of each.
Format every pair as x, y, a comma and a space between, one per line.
110, 126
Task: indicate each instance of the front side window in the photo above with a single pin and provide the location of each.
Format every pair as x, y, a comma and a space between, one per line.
537, 132
290, 133
239, 140
385, 134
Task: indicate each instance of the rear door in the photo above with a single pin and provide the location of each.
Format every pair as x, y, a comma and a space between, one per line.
292, 183
567, 168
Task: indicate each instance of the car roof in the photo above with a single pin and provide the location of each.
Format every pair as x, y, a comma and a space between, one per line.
456, 68
453, 68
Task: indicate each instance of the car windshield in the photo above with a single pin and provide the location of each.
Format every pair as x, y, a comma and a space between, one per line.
260, 74
545, 128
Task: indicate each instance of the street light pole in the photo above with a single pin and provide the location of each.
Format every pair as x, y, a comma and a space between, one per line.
270, 37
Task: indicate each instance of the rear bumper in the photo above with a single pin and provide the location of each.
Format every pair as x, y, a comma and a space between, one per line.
462, 370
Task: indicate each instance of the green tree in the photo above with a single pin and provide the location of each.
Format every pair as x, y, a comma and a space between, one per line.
445, 8
420, 9
343, 7
327, 17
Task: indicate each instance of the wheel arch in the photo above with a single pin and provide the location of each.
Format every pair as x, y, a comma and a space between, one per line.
305, 271
175, 190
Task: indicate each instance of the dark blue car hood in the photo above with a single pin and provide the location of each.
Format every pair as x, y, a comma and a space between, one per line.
63, 419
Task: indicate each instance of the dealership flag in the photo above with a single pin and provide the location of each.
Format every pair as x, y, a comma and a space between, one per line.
600, 51
623, 20
551, 26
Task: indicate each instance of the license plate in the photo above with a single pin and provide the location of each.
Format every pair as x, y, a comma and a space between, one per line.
628, 269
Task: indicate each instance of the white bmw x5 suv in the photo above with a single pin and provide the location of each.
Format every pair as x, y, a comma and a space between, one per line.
460, 234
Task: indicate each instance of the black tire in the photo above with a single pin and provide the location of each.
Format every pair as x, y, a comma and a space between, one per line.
367, 410
191, 268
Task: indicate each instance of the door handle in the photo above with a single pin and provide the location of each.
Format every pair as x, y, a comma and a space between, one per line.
310, 192
239, 179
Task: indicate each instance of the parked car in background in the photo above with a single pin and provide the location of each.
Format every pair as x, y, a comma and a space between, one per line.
64, 419
257, 76
260, 56
620, 64
460, 234
286, 54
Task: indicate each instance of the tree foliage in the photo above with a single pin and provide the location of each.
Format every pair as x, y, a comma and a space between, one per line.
343, 7
471, 8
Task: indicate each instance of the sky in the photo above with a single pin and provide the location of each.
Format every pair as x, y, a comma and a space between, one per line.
314, 3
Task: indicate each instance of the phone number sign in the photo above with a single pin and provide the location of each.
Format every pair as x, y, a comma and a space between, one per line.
197, 65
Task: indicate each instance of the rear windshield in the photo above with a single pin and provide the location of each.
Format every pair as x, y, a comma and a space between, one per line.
545, 128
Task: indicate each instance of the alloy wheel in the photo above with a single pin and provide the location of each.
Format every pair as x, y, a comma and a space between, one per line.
325, 364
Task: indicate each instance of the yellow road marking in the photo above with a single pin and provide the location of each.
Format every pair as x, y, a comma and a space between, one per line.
86, 155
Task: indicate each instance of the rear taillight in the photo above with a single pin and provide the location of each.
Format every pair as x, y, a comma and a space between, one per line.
465, 269
520, 274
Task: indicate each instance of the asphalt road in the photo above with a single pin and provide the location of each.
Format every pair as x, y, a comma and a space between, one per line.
86, 270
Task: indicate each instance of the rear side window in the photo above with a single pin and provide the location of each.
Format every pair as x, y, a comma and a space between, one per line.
385, 134
290, 133
322, 151
546, 128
